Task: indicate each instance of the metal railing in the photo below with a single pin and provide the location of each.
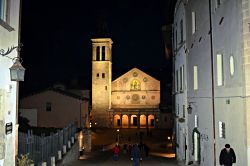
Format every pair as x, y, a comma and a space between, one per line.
42, 148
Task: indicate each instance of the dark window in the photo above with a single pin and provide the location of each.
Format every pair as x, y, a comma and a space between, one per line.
98, 53
176, 40
97, 75
48, 106
134, 121
103, 75
152, 122
181, 30
106, 88
218, 2
103, 53
4, 6
118, 122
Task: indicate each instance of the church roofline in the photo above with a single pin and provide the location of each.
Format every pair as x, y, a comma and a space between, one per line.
135, 68
101, 40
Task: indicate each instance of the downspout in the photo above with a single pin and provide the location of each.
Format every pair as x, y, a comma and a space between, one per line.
212, 77
17, 83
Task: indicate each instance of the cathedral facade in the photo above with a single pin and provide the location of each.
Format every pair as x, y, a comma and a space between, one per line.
130, 101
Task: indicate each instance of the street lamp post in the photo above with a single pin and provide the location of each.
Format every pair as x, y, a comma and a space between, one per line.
118, 135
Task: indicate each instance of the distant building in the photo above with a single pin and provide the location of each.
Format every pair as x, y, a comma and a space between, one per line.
55, 108
130, 101
212, 107
9, 37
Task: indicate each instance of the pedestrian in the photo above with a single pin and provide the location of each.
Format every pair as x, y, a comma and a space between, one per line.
227, 156
136, 155
116, 151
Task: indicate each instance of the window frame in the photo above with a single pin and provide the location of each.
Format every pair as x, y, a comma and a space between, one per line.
194, 28
195, 75
219, 69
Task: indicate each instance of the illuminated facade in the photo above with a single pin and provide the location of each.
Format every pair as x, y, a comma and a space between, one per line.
130, 101
212, 102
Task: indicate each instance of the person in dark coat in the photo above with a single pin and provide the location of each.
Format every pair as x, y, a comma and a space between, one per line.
227, 156
135, 155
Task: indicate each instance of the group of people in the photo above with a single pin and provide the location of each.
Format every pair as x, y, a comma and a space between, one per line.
135, 152
227, 154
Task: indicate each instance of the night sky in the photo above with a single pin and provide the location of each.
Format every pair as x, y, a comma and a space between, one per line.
56, 38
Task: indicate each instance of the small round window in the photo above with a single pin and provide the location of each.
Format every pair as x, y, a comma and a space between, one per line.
231, 61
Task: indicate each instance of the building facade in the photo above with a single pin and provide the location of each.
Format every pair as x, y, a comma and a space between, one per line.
55, 108
217, 53
180, 86
130, 101
9, 37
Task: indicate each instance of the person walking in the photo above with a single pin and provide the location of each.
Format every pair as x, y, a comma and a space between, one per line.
136, 155
227, 156
116, 151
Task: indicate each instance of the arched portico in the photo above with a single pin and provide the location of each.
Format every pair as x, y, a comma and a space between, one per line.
117, 120
134, 121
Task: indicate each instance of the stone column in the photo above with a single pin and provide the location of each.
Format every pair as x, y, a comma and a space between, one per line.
138, 120
129, 120
147, 123
93, 52
121, 120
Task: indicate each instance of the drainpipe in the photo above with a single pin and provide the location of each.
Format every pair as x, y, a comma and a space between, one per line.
212, 77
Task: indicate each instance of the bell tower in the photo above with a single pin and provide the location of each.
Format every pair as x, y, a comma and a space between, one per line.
101, 81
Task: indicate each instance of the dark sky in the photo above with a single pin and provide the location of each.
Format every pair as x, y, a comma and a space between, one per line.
56, 37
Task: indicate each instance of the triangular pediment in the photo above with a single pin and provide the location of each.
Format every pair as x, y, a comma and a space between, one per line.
135, 77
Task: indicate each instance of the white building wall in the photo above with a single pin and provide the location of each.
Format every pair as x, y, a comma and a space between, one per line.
8, 89
180, 81
199, 54
230, 37
229, 104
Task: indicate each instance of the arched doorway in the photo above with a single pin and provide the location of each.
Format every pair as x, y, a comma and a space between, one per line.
143, 120
124, 121
151, 121
134, 121
196, 145
117, 121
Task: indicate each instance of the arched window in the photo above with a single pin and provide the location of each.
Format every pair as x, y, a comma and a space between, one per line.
103, 53
135, 85
98, 53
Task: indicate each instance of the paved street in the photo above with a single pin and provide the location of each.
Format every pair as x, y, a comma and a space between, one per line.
160, 153
105, 158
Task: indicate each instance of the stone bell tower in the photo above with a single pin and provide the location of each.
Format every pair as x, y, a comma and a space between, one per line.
101, 81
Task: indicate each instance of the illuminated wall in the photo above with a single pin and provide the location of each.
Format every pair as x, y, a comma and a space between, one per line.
101, 80
135, 89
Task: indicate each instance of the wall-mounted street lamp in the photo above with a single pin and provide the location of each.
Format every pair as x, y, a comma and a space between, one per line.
17, 71
190, 108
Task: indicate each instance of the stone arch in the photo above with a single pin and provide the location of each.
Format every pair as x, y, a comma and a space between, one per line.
134, 121
117, 121
151, 121
124, 121
98, 53
143, 121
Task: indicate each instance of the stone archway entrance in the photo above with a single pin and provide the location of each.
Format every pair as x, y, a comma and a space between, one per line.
134, 120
